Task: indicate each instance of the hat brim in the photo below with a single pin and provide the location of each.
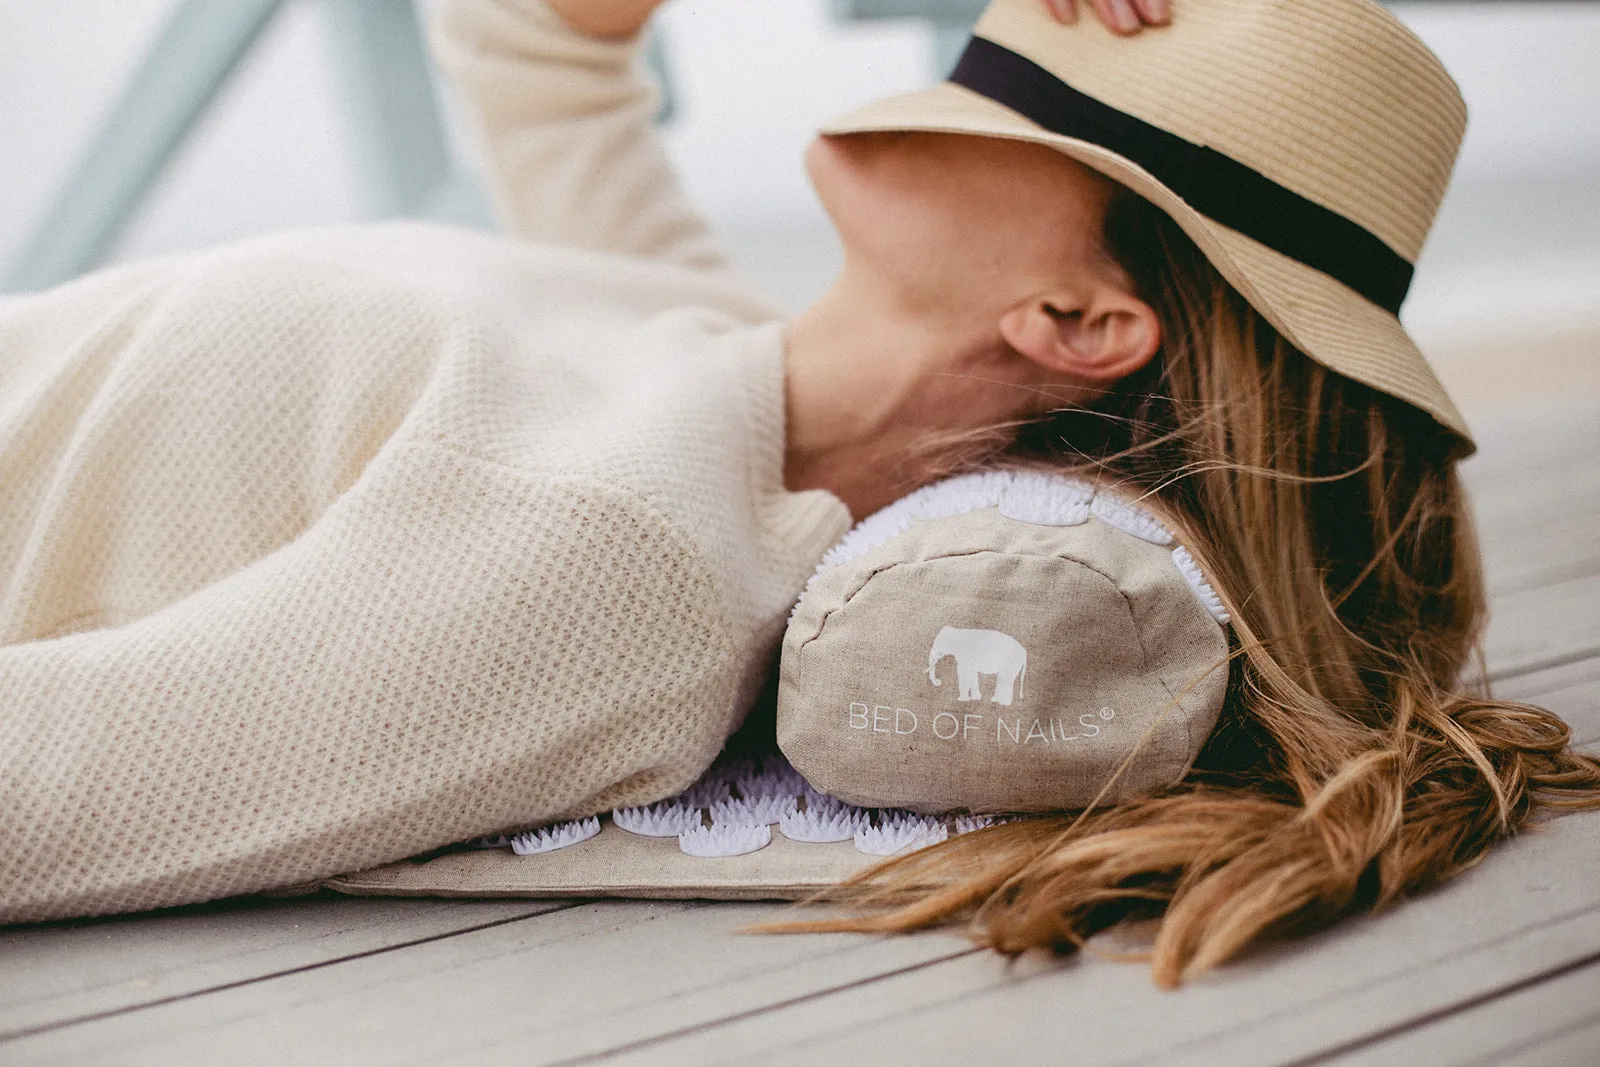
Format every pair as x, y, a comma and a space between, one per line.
1322, 317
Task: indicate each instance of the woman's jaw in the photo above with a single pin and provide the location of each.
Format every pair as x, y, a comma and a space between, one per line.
974, 294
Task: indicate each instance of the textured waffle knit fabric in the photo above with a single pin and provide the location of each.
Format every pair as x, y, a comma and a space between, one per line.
327, 548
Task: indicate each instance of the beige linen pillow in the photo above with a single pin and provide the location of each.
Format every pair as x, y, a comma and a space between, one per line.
1002, 642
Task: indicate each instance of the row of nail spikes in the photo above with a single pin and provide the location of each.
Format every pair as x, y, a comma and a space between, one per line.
731, 810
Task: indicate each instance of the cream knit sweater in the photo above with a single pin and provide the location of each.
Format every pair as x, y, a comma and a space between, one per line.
330, 547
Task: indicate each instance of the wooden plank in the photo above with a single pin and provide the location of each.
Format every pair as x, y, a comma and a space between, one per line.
1526, 1025
1526, 455
1543, 627
1394, 1004
1535, 506
1564, 545
565, 984
57, 973
1527, 910
1538, 511
1577, 1047
1572, 691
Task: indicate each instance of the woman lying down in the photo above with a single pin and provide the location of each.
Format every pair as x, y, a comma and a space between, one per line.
332, 547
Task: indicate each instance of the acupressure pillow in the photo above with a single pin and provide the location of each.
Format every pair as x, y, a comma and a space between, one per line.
1002, 642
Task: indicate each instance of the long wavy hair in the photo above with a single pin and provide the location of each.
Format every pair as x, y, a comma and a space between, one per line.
1360, 757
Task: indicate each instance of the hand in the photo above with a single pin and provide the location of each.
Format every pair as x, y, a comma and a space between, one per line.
1120, 16
606, 18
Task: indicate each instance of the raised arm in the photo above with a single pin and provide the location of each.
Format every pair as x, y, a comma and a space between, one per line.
565, 118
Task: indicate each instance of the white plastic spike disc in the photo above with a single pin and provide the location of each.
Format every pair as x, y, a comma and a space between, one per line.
900, 832
758, 811
1046, 499
668, 818
556, 835
1130, 519
491, 841
731, 770
720, 840
1202, 588
707, 791
823, 824
775, 779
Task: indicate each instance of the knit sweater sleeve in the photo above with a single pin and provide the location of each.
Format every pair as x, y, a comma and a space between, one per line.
566, 123
399, 676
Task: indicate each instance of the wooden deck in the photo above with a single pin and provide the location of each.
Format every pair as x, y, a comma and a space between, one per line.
1501, 966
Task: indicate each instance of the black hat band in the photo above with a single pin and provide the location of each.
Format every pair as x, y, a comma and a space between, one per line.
1215, 185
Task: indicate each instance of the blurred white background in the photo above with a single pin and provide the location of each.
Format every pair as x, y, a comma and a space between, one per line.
1513, 264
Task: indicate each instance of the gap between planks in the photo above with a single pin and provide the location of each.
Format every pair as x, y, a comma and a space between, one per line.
1421, 1034
524, 911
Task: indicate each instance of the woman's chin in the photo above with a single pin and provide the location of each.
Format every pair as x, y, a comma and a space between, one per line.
826, 160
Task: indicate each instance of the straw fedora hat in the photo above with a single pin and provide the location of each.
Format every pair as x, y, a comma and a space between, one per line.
1304, 145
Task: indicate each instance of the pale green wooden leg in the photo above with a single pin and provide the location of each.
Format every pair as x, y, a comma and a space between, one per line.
948, 44
394, 116
952, 22
395, 124
656, 57
190, 61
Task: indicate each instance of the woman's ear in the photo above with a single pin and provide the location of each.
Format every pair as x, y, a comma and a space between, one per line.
1097, 339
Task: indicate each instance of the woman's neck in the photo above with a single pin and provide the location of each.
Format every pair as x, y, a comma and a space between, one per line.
870, 385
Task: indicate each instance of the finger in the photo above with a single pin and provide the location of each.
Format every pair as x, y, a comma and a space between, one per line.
1065, 11
1154, 12
1118, 15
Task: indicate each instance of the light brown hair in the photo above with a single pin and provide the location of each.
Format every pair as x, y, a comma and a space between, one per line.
1353, 764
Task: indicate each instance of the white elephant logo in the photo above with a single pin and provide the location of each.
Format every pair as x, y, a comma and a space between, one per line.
979, 652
